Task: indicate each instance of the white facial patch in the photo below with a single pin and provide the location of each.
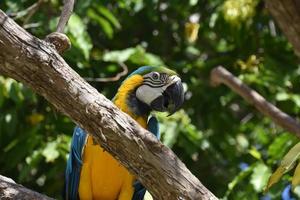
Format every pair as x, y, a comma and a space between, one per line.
148, 93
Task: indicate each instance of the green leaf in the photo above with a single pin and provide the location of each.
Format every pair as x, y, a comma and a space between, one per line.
169, 133
106, 13
256, 154
15, 92
141, 57
282, 96
279, 146
79, 36
287, 163
241, 176
105, 25
296, 177
289, 160
259, 177
2, 92
50, 152
118, 56
274, 178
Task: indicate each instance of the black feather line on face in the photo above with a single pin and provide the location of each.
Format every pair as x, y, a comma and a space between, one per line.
152, 80
153, 86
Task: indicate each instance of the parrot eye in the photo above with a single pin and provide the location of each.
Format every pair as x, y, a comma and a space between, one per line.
155, 75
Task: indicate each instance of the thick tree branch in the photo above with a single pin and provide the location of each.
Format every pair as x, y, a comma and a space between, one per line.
220, 75
287, 16
35, 63
10, 190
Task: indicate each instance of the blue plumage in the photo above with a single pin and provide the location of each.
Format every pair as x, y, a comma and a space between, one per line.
72, 174
153, 126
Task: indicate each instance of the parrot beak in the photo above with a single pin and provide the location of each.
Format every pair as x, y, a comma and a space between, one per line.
171, 100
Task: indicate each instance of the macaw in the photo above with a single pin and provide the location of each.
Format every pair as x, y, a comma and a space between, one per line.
92, 173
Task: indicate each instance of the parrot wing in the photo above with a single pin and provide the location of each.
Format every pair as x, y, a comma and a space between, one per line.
74, 163
139, 189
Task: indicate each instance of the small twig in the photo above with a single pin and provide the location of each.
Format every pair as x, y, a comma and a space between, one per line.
28, 11
32, 25
32, 11
220, 75
65, 15
111, 79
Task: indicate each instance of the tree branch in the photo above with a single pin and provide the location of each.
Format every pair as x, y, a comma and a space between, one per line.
58, 38
33, 62
220, 75
10, 190
28, 11
287, 16
65, 15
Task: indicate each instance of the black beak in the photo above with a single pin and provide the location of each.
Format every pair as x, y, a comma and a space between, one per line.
171, 100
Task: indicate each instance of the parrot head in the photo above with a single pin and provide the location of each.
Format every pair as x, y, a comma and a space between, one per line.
158, 89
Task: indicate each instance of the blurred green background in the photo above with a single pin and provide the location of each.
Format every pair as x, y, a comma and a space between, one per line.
223, 140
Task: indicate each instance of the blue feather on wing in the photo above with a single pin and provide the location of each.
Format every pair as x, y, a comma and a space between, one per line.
74, 163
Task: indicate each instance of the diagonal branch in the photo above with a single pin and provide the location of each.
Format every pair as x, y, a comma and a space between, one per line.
10, 190
33, 62
220, 75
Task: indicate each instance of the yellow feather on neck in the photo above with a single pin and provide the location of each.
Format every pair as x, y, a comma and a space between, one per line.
121, 97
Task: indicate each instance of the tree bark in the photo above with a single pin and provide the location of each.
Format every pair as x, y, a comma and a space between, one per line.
287, 15
35, 63
220, 75
10, 190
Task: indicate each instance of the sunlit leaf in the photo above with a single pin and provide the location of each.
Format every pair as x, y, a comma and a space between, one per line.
275, 177
148, 196
191, 31
296, 176
80, 37
256, 154
287, 163
259, 177
118, 56
50, 152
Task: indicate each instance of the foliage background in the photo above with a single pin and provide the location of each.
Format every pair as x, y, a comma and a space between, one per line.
224, 141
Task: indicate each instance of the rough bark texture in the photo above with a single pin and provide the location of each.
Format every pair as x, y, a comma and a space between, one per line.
220, 75
10, 190
35, 63
287, 16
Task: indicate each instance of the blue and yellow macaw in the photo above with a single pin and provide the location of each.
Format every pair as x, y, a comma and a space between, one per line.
93, 173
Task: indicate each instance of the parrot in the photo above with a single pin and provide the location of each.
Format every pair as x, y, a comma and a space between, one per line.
91, 172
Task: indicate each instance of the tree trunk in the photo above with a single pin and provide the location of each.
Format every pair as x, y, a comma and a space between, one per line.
35, 63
